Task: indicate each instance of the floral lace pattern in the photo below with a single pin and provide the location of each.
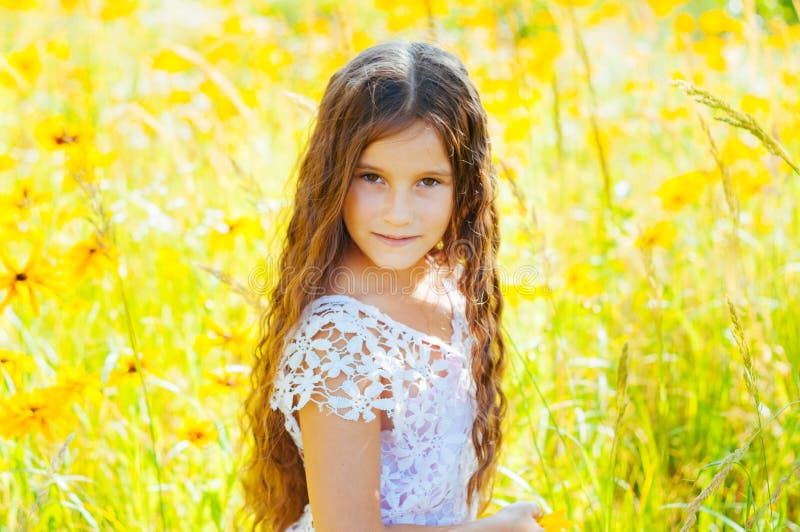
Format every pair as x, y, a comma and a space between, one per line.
357, 362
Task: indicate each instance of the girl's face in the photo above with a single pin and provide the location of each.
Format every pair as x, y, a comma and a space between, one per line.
402, 188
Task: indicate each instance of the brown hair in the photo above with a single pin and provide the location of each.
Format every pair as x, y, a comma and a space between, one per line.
383, 90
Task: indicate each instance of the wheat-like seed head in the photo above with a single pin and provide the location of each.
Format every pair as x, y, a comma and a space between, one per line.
622, 383
736, 118
744, 350
727, 186
727, 464
778, 489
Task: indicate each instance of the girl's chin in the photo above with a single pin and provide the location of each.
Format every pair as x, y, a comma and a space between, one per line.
401, 260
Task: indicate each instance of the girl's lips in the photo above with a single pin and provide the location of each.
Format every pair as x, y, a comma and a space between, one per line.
393, 241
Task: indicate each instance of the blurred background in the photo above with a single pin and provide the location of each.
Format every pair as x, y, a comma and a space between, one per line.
648, 158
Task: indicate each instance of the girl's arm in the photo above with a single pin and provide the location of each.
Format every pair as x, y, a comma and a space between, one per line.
342, 461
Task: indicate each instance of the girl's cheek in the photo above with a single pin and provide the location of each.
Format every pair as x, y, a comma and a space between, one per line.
438, 199
368, 199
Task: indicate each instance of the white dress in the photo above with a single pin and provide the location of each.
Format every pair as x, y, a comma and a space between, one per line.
355, 360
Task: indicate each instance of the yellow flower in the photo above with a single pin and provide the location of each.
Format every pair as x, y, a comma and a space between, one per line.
734, 149
42, 410
81, 164
478, 17
69, 5
223, 104
126, 369
222, 49
574, 3
55, 133
234, 339
179, 96
19, 5
660, 234
75, 384
555, 521
19, 204
607, 9
748, 184
676, 113
233, 377
361, 40
7, 162
198, 433
25, 63
538, 53
663, 7
514, 293
402, 15
716, 21
677, 192
518, 129
580, 283
114, 9
58, 47
753, 104
232, 25
170, 61
223, 236
92, 257
38, 272
684, 23
14, 363
711, 47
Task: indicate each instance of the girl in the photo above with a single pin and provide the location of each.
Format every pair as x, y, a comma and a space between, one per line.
376, 400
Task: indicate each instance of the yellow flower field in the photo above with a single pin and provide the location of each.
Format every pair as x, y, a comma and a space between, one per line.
649, 158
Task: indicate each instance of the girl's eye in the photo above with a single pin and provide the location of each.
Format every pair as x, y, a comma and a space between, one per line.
372, 178
367, 177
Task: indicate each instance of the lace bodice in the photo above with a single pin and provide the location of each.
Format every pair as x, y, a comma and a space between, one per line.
357, 362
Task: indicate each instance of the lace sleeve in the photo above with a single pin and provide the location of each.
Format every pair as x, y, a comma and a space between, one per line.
336, 362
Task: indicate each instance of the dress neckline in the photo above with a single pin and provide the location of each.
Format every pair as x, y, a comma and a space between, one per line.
454, 321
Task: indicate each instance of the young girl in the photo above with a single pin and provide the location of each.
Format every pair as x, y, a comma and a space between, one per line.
376, 400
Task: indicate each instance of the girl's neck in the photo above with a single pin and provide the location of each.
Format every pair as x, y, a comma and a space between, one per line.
357, 273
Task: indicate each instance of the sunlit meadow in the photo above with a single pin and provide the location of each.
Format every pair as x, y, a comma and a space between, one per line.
648, 157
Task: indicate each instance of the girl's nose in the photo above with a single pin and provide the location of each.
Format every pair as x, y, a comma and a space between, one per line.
398, 209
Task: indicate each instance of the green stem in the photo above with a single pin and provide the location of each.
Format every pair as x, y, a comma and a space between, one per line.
151, 425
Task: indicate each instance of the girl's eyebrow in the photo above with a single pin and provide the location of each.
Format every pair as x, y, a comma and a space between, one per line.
436, 171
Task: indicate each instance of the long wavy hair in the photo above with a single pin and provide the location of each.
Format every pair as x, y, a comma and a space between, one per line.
381, 91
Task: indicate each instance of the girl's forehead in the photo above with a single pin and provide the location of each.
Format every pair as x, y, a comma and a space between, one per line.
419, 133
419, 144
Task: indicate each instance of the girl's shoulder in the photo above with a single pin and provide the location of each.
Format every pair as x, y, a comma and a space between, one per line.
328, 318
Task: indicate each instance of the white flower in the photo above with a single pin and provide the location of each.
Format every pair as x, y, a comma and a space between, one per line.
337, 364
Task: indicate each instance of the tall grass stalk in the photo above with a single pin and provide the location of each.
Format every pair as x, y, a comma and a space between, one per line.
731, 198
29, 518
726, 464
736, 118
655, 303
601, 154
102, 222
551, 416
621, 399
750, 383
217, 78
778, 489
249, 295
530, 229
